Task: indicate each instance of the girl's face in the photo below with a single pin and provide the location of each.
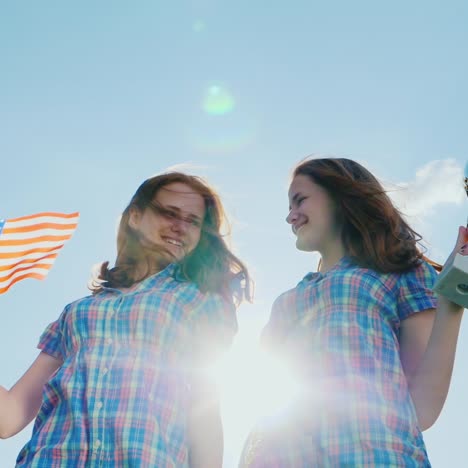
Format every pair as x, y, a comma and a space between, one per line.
312, 216
171, 225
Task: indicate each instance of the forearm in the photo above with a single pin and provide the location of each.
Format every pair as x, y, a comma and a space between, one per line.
20, 404
430, 382
9, 414
4, 417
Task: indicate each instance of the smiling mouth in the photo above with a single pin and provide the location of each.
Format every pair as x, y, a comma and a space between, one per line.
296, 228
174, 242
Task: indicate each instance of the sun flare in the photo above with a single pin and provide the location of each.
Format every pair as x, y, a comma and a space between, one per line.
253, 385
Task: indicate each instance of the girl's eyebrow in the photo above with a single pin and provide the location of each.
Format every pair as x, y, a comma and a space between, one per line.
294, 198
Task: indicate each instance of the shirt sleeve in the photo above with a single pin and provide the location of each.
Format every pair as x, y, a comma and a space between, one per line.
51, 341
415, 292
281, 316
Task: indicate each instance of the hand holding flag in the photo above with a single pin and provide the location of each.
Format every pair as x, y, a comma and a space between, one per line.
29, 245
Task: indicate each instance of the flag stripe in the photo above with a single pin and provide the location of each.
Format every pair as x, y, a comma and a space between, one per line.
35, 234
28, 261
29, 245
34, 240
38, 276
45, 214
38, 266
34, 255
16, 254
40, 226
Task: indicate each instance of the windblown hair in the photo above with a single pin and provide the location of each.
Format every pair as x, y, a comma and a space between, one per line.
211, 265
373, 231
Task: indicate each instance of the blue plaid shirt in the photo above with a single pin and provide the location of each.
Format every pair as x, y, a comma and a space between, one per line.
121, 397
340, 333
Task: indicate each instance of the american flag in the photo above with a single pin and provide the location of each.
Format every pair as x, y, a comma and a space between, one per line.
29, 245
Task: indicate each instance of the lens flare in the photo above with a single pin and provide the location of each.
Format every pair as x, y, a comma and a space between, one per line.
218, 100
198, 26
253, 385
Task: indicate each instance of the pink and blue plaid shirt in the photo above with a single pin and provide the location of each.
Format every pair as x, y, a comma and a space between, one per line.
339, 331
121, 397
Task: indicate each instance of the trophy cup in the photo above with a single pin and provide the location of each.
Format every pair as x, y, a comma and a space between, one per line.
452, 282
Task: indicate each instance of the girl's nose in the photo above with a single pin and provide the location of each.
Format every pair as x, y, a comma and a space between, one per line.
179, 225
292, 216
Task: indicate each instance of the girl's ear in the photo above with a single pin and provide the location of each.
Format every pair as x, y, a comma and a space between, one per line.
134, 217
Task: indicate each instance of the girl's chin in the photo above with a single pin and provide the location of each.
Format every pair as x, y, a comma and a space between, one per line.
177, 253
304, 246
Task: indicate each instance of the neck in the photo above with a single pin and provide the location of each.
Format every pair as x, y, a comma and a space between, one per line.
330, 257
149, 266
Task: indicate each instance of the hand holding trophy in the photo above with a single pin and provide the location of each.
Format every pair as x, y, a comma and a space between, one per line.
453, 280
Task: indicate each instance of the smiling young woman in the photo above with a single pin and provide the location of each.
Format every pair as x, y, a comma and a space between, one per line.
120, 379
370, 344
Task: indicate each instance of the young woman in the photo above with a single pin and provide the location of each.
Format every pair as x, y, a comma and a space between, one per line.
120, 377
369, 343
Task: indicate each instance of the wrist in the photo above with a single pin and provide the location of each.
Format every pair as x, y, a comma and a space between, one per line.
449, 305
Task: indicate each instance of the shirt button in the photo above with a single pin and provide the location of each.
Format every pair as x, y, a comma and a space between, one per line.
97, 444
109, 341
99, 404
105, 370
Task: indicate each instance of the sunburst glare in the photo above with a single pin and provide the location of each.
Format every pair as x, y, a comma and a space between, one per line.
253, 386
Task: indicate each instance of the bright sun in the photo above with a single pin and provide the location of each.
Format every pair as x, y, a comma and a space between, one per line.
253, 385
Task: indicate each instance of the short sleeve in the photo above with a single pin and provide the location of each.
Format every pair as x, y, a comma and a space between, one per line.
51, 340
281, 317
415, 292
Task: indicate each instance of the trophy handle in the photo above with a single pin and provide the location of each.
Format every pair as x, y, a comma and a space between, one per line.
452, 282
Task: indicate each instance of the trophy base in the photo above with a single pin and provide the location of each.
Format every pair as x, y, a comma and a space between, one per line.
452, 282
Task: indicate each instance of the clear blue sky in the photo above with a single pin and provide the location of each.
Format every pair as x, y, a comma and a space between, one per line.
97, 96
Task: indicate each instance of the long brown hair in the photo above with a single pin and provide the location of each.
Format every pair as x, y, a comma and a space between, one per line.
373, 231
211, 265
